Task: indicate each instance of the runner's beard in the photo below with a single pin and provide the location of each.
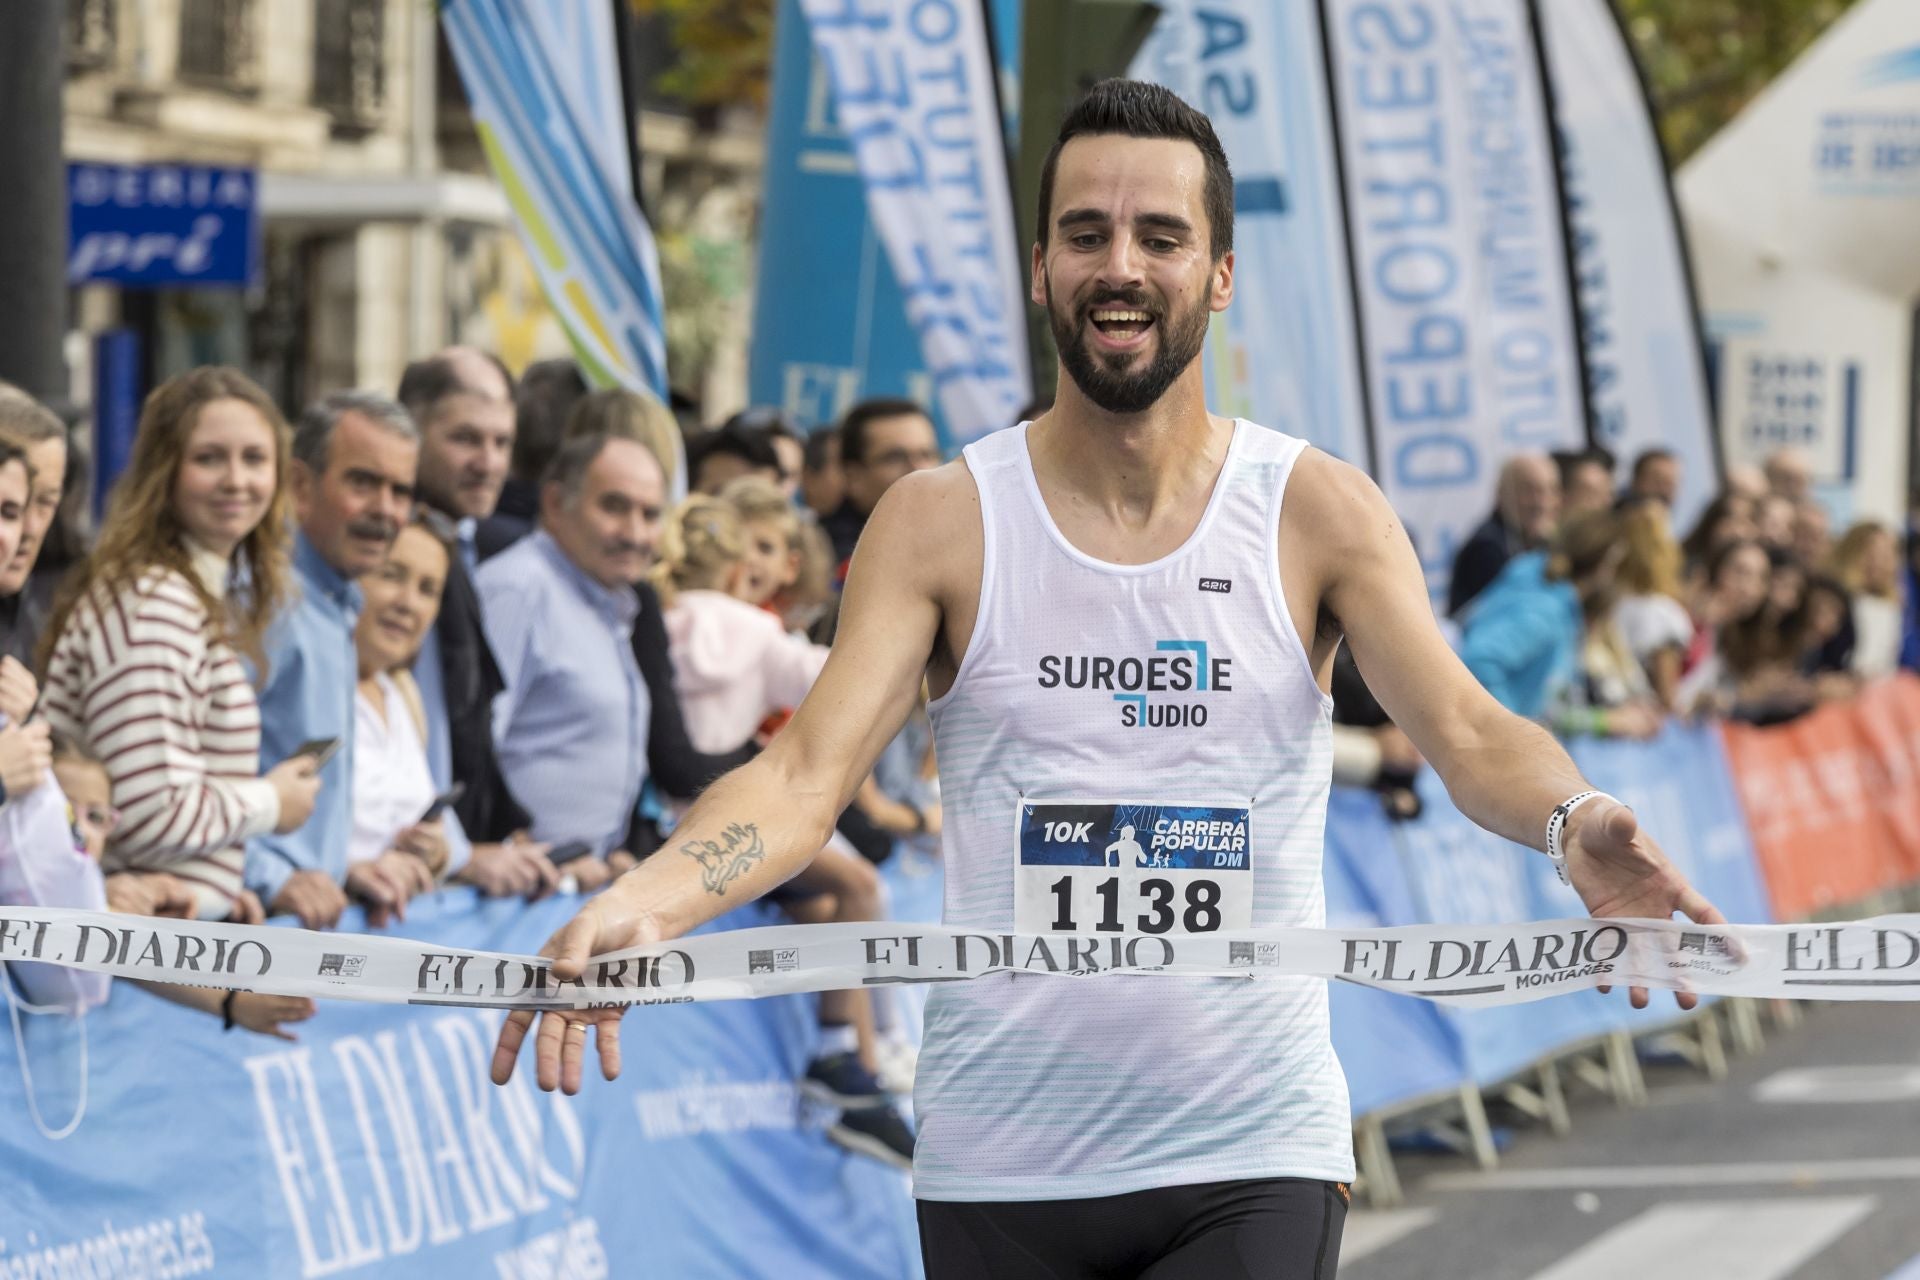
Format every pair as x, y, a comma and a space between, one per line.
1122, 387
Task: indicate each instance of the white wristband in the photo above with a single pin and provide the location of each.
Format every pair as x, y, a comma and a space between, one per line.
1557, 826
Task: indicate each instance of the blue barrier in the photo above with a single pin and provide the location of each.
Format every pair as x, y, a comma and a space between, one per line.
375, 1146
1442, 869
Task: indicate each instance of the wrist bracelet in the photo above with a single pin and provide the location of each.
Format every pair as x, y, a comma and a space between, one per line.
1557, 826
226, 1010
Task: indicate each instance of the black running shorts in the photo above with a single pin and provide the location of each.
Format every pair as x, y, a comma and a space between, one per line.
1264, 1229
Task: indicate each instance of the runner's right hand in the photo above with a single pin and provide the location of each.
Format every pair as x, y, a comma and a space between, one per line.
608, 922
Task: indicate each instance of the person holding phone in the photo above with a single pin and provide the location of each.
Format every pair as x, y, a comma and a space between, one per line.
401, 823
145, 645
351, 478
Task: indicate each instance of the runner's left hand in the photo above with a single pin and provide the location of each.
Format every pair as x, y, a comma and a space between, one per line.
1618, 870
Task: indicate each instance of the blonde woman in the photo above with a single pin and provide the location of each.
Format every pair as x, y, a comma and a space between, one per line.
144, 649
1866, 560
1652, 621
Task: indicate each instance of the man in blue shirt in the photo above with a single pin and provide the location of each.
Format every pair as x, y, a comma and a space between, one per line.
559, 606
352, 476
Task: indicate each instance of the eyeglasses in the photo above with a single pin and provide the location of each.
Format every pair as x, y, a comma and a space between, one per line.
895, 458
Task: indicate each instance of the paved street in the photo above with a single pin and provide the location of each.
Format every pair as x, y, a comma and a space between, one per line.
1803, 1164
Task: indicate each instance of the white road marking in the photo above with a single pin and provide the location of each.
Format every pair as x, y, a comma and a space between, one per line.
1752, 1239
1886, 1083
1791, 1172
1371, 1230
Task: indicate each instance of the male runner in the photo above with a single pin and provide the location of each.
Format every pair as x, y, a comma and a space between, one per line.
1114, 604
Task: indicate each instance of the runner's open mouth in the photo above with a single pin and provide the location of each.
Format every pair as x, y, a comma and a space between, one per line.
1121, 322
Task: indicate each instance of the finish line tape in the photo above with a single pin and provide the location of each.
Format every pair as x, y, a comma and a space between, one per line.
1876, 959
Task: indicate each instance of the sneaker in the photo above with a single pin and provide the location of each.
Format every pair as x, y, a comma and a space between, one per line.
838, 1080
879, 1132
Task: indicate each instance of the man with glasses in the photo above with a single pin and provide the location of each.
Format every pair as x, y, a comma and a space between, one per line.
881, 441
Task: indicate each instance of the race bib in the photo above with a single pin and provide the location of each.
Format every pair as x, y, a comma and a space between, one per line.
1133, 868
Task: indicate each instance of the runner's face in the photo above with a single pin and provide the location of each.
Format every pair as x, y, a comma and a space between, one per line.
1127, 274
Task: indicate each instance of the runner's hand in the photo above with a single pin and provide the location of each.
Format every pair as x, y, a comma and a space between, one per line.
1618, 870
608, 922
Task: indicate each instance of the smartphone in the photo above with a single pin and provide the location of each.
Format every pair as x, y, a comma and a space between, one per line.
321, 749
561, 854
445, 800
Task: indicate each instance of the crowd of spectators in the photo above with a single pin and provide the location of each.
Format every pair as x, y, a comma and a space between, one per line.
480, 631
1598, 617
501, 632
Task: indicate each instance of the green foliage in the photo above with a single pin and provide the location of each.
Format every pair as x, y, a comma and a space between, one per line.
1704, 59
724, 47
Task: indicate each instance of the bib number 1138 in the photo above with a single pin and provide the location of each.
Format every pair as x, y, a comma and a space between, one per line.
1161, 908
1136, 868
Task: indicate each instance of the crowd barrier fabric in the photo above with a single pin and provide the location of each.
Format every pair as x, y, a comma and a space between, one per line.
1441, 868
1834, 798
376, 1146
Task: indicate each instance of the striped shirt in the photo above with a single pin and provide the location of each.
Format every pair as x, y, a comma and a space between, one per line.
136, 679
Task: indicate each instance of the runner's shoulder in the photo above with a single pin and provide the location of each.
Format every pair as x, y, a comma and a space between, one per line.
931, 509
1336, 509
928, 521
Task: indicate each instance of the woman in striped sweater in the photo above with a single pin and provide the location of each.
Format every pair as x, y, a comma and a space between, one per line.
143, 663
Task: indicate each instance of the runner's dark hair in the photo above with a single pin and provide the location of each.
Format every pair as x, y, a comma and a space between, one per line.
1136, 109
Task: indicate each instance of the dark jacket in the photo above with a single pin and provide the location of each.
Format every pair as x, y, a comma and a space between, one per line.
472, 679
1479, 562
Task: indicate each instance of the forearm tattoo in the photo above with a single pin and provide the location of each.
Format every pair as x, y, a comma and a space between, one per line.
737, 851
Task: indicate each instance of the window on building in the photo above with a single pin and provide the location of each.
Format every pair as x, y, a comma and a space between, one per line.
349, 61
90, 31
216, 43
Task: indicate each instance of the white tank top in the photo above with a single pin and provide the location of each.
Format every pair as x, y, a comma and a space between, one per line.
1129, 687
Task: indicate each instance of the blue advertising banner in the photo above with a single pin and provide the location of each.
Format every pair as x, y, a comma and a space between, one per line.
829, 317
913, 87
162, 224
375, 1146
1284, 354
1646, 373
1470, 345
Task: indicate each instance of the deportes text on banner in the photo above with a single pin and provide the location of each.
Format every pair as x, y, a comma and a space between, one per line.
1468, 336
1462, 964
913, 86
1284, 353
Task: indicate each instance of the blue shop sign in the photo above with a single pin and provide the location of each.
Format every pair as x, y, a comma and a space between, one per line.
162, 224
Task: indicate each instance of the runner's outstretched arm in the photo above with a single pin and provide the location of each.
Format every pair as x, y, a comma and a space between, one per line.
759, 825
1505, 773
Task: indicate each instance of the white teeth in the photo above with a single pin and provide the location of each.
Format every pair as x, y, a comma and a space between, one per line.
1122, 317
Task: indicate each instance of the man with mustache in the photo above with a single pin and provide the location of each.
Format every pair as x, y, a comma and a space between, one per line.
1127, 606
571, 729
355, 454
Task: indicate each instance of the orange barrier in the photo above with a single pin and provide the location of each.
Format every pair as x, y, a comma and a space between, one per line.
1833, 799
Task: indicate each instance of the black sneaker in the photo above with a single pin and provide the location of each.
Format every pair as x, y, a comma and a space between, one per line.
879, 1132
838, 1080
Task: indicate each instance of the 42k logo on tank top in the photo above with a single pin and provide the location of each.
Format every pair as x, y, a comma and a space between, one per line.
1167, 689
